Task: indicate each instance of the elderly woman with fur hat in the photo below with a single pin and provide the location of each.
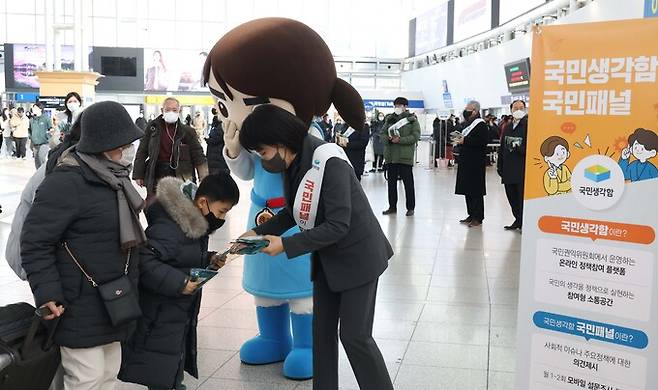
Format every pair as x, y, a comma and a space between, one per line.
81, 239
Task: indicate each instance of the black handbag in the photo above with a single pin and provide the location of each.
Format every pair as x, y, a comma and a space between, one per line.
119, 296
28, 357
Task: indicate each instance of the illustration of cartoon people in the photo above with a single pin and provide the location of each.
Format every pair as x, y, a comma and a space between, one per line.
643, 145
557, 179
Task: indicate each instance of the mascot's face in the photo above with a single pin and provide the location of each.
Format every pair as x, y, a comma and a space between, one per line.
236, 109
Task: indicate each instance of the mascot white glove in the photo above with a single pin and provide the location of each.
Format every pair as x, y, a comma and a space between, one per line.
232, 140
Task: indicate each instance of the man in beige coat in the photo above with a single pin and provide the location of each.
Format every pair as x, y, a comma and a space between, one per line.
19, 125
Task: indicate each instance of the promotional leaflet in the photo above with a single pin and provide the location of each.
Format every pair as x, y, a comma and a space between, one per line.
587, 316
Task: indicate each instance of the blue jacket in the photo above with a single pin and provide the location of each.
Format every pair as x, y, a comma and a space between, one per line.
265, 276
638, 170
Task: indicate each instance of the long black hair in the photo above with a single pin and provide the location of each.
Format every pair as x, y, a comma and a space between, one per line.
69, 114
272, 125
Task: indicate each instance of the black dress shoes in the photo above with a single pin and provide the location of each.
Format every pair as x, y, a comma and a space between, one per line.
513, 226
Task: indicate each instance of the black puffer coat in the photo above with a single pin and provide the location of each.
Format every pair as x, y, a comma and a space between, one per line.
178, 241
73, 205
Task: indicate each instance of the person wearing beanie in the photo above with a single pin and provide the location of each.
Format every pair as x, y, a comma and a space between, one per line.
81, 237
400, 134
169, 148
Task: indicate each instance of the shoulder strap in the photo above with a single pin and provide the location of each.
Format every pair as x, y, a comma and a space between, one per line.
89, 278
476, 122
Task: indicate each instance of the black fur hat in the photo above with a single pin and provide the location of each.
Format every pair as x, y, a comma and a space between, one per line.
106, 126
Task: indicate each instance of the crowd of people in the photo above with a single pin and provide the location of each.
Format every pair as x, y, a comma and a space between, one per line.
393, 139
35, 128
79, 215
84, 220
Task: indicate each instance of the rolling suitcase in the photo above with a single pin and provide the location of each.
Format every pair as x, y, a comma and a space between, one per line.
28, 358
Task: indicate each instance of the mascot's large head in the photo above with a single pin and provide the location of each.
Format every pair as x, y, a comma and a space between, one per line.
282, 62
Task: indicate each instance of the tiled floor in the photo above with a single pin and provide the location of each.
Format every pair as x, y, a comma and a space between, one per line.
446, 307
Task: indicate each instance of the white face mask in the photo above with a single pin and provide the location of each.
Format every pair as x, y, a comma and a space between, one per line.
398, 110
127, 155
36, 111
170, 116
518, 114
73, 106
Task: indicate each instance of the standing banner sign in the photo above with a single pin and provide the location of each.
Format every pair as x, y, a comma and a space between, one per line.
587, 314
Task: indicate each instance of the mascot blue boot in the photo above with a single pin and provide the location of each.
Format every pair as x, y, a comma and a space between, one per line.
299, 363
273, 343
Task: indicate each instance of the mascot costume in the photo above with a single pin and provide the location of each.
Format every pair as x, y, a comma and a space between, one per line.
282, 62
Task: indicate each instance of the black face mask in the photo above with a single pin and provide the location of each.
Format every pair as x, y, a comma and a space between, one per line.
274, 165
467, 114
214, 223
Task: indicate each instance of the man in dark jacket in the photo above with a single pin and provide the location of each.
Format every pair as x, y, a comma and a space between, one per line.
168, 148
400, 135
472, 164
85, 220
511, 161
215, 142
165, 341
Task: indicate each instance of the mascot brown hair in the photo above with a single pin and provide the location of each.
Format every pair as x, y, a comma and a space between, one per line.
283, 59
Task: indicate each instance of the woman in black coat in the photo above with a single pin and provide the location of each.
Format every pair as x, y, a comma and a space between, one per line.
215, 142
471, 171
87, 210
165, 342
349, 249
